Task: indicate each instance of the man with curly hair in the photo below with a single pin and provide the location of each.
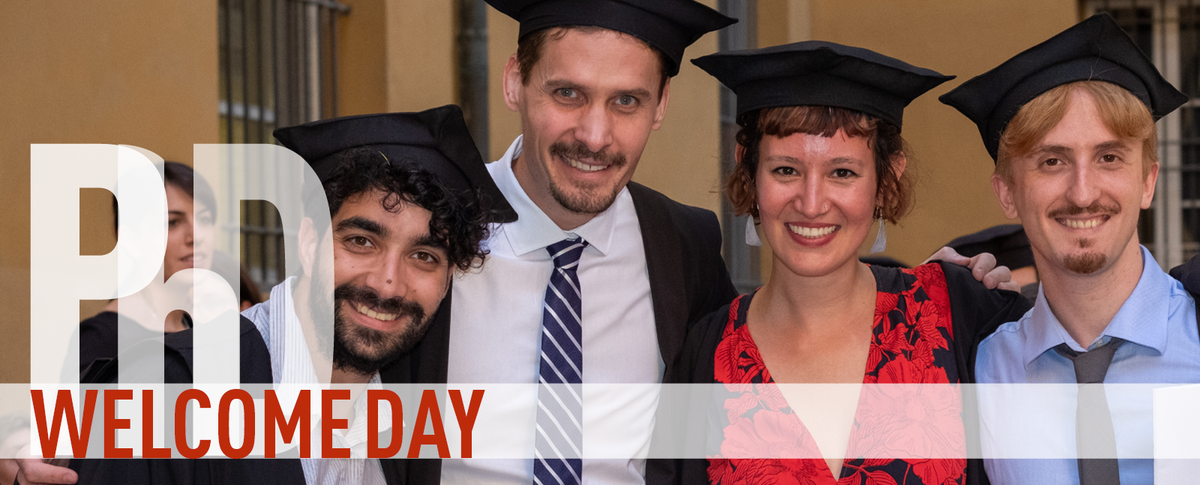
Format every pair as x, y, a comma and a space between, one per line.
410, 202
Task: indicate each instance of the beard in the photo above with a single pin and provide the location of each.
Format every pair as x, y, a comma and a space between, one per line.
366, 350
356, 348
1089, 262
588, 197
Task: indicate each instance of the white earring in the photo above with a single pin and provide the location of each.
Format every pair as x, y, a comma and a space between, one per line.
880, 237
751, 234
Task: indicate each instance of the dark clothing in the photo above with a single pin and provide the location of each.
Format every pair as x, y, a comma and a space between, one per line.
974, 311
688, 280
177, 357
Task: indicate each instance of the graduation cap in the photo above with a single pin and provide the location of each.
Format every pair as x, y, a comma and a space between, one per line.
436, 140
1007, 242
1093, 50
816, 73
667, 25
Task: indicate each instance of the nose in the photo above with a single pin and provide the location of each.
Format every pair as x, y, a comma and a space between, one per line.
1083, 190
391, 279
595, 128
812, 201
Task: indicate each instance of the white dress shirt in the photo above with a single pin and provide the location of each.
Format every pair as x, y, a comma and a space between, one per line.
496, 329
291, 364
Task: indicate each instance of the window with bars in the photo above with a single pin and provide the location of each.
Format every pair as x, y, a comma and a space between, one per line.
1168, 31
277, 64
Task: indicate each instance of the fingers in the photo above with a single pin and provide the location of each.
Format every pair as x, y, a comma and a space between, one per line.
982, 265
1010, 286
36, 472
948, 255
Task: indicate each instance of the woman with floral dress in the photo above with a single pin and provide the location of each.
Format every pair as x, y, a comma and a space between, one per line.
820, 162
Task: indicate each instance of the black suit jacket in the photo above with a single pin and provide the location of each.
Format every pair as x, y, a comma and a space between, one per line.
688, 280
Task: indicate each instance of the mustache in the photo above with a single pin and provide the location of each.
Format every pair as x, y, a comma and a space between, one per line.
1074, 210
368, 296
579, 151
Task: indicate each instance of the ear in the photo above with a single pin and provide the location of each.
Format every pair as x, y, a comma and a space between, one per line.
308, 246
899, 162
512, 83
1004, 193
660, 112
1148, 186
739, 152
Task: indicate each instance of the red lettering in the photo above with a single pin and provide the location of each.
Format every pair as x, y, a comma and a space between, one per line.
466, 419
373, 398
148, 449
247, 425
112, 424
429, 406
287, 427
181, 423
64, 405
328, 423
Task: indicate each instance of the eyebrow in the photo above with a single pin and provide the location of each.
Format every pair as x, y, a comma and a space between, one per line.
428, 240
832, 161
1113, 145
364, 224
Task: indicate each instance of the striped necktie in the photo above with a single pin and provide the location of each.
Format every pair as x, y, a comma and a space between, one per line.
559, 445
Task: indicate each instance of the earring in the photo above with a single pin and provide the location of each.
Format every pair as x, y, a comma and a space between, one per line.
880, 237
751, 234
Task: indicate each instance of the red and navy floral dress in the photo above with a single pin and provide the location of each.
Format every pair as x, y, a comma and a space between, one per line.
911, 344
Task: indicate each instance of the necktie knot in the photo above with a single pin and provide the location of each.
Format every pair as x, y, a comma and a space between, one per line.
1091, 366
566, 253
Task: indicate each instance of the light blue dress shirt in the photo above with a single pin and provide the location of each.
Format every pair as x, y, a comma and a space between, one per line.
1158, 323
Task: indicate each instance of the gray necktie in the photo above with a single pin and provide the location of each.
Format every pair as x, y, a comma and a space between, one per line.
1093, 423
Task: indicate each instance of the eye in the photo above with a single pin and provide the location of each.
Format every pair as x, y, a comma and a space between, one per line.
205, 219
1051, 162
566, 93
425, 257
785, 171
360, 241
173, 222
627, 100
843, 173
1110, 158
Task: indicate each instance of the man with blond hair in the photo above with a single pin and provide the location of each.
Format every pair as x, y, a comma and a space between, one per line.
1070, 124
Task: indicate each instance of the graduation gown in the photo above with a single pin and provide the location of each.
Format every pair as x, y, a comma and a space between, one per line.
688, 280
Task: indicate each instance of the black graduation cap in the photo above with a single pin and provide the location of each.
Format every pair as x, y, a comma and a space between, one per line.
437, 140
816, 73
667, 25
1007, 242
1095, 49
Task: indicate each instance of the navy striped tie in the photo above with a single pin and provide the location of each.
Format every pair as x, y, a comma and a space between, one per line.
559, 445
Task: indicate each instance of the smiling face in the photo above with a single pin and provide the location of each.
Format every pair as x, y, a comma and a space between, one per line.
389, 277
816, 197
1078, 192
189, 234
587, 110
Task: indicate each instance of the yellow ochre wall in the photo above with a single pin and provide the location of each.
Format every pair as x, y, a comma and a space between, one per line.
137, 72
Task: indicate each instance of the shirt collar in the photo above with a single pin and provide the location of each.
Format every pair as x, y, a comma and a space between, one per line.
533, 230
1140, 320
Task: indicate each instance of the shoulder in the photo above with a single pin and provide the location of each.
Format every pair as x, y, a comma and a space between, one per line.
646, 199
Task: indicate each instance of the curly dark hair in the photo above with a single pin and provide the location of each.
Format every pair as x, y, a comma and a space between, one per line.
457, 220
883, 137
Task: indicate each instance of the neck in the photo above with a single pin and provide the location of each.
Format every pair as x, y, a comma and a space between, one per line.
564, 218
1085, 304
822, 301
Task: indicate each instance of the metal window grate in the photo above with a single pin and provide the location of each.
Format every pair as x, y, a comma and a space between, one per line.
277, 67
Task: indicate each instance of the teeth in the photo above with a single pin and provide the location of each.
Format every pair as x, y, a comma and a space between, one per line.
384, 317
1082, 224
583, 166
812, 232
